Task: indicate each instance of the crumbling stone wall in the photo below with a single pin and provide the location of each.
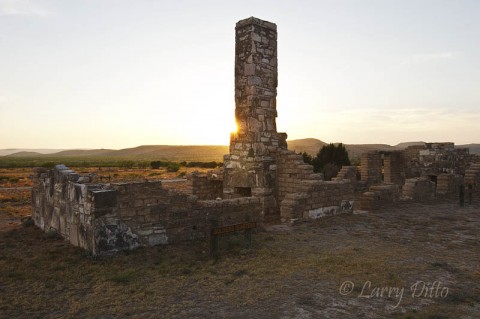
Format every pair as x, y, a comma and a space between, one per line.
438, 158
371, 167
105, 218
292, 173
472, 177
317, 198
419, 189
62, 202
347, 172
379, 196
448, 185
206, 185
304, 194
383, 166
441, 163
394, 167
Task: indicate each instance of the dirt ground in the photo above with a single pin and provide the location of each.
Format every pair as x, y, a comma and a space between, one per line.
410, 261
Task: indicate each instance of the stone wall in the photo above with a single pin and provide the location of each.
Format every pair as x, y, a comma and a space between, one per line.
371, 167
448, 185
317, 198
304, 194
292, 172
472, 177
62, 202
347, 172
105, 218
419, 189
437, 158
379, 196
206, 185
394, 167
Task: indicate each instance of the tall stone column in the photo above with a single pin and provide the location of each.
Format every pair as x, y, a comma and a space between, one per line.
250, 168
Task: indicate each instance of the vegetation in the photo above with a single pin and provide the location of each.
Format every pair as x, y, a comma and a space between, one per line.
329, 160
94, 161
174, 166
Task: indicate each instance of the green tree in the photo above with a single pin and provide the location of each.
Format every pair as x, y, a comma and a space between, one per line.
307, 158
335, 156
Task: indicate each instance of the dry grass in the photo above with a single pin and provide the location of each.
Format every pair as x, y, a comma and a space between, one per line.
293, 273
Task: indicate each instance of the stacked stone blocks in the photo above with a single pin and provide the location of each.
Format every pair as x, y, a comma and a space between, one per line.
105, 218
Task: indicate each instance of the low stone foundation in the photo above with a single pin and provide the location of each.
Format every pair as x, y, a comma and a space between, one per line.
380, 196
448, 185
419, 189
317, 199
105, 218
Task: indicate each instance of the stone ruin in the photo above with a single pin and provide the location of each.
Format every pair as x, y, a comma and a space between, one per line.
260, 164
260, 181
420, 173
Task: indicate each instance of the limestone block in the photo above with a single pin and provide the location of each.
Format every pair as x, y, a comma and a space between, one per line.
104, 198
249, 69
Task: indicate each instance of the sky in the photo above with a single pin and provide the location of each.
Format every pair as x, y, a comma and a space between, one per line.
117, 74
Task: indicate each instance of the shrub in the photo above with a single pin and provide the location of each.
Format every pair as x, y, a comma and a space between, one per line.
330, 170
173, 167
329, 160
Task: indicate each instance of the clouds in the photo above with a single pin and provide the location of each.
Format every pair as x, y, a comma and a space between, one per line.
402, 124
23, 8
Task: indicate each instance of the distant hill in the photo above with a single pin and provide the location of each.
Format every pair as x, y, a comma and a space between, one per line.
24, 154
309, 145
176, 152
200, 153
8, 151
82, 153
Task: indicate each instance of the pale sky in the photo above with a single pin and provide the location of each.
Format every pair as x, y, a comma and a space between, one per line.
116, 74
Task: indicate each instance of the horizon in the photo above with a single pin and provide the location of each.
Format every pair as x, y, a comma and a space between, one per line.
206, 145
89, 75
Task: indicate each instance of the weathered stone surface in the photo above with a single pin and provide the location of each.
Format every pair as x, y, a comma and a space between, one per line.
105, 218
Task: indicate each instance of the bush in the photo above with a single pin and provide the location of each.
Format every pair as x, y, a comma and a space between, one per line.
329, 160
330, 170
158, 164
307, 158
173, 167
